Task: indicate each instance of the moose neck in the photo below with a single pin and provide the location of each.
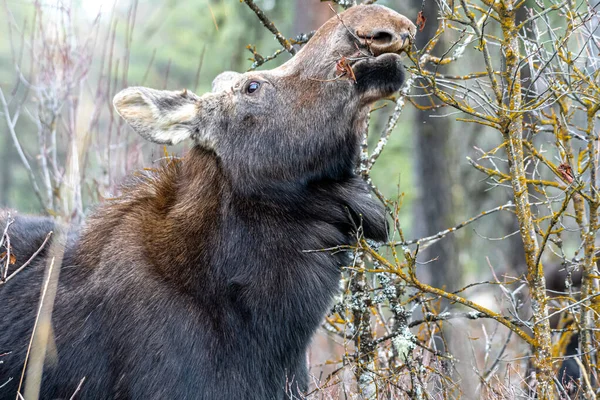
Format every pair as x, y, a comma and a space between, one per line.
293, 163
238, 252
205, 224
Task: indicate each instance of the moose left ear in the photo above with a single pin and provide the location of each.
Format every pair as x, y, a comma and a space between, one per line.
160, 116
225, 80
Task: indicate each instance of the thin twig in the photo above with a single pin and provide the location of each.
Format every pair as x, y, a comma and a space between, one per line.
77, 389
11, 123
37, 317
22, 267
443, 233
267, 23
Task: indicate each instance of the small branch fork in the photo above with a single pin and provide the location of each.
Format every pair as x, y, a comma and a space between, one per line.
5, 279
445, 232
267, 23
410, 277
7, 257
11, 123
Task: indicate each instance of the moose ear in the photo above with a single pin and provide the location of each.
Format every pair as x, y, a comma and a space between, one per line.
225, 80
160, 116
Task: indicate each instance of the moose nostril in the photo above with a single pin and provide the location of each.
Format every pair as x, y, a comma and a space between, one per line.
380, 41
377, 37
382, 37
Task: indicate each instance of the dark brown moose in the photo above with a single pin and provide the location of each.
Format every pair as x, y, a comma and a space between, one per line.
194, 284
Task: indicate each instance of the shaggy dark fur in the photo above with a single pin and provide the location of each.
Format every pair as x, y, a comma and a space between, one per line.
194, 283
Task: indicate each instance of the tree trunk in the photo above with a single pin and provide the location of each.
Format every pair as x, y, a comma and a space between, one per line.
435, 166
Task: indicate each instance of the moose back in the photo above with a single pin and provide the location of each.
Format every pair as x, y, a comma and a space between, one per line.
195, 283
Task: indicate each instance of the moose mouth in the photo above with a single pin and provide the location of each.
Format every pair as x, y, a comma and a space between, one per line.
378, 65
381, 76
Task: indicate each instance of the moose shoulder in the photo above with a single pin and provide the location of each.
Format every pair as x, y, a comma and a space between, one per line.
194, 283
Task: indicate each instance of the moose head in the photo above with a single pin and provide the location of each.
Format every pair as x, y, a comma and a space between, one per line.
298, 121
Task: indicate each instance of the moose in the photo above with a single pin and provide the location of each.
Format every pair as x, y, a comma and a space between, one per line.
195, 282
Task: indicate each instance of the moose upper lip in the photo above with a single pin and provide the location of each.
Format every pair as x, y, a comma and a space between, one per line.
377, 57
395, 55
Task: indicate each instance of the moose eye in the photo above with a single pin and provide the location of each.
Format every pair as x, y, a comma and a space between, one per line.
252, 87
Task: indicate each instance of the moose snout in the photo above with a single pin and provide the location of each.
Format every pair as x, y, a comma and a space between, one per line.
381, 42
393, 33
386, 41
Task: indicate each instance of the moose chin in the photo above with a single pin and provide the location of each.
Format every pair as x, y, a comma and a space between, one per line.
195, 283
